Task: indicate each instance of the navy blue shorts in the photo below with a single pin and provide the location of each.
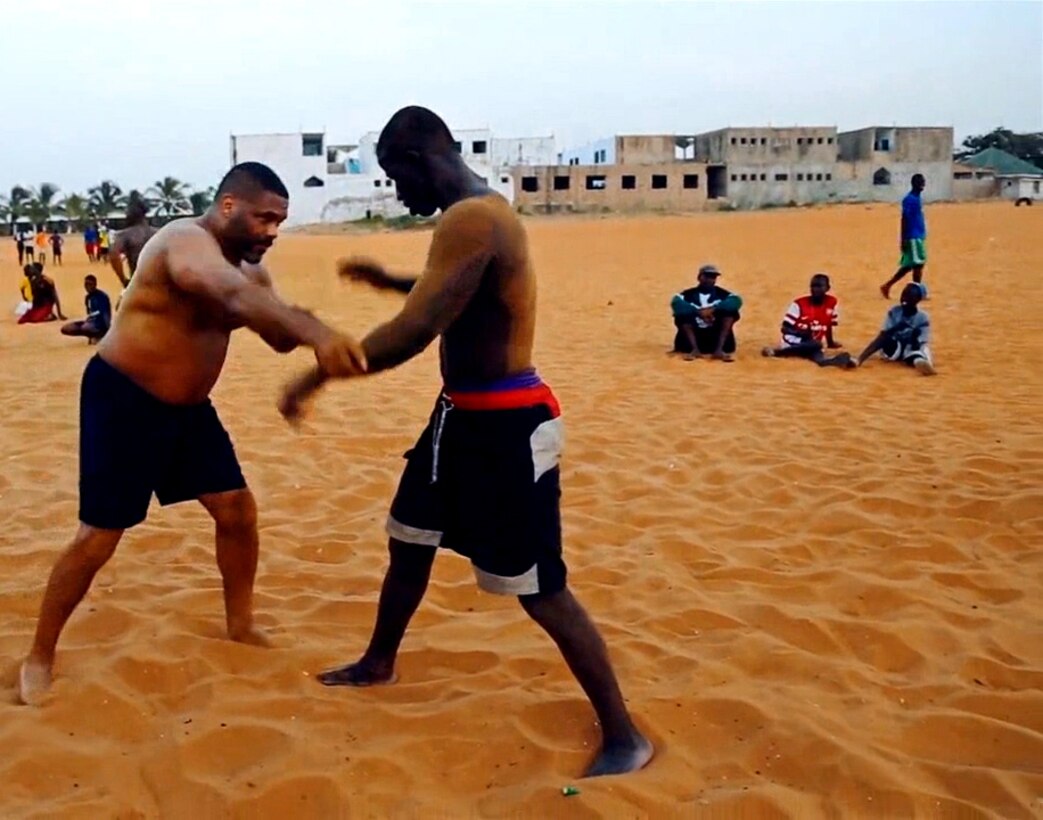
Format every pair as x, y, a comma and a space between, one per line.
486, 484
133, 445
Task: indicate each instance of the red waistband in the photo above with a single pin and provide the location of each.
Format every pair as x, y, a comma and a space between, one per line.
505, 399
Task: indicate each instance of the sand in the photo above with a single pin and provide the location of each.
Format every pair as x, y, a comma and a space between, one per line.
821, 589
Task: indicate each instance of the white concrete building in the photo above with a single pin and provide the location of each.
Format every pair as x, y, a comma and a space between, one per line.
599, 152
344, 182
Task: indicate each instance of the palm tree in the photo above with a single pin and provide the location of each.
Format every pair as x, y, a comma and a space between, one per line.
201, 200
105, 198
75, 208
41, 205
14, 203
170, 195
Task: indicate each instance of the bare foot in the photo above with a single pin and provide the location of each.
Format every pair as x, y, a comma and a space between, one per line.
250, 634
34, 679
690, 357
768, 351
724, 357
362, 673
620, 758
885, 291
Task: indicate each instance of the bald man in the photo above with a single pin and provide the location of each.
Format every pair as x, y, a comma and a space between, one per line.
483, 479
146, 422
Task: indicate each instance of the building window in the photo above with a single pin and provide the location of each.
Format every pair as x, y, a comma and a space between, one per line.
479, 147
376, 183
764, 177
458, 147
818, 177
781, 177
1035, 187
829, 177
505, 180
595, 182
735, 177
313, 182
800, 140
734, 140
820, 140
800, 177
882, 177
629, 182
691, 181
963, 175
764, 140
530, 185
561, 183
829, 140
743, 177
311, 145
742, 140
658, 182
883, 144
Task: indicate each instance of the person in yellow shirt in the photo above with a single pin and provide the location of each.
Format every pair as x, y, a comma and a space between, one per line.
25, 290
104, 241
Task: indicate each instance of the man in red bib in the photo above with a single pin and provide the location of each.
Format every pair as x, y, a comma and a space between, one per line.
808, 326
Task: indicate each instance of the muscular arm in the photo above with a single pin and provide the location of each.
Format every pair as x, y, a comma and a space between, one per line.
462, 246
197, 267
116, 259
277, 341
360, 269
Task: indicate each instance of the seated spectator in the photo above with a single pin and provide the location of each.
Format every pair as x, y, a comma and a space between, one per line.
704, 316
808, 326
99, 313
905, 334
46, 305
25, 290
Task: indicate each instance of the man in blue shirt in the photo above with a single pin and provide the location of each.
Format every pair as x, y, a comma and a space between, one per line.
913, 241
905, 334
99, 313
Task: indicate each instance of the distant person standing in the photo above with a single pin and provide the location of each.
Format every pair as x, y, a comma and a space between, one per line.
90, 242
913, 241
41, 247
57, 241
17, 236
29, 243
104, 240
130, 241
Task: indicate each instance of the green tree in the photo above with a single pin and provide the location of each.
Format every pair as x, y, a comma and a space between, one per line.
104, 198
14, 203
76, 209
170, 195
201, 200
42, 205
1028, 147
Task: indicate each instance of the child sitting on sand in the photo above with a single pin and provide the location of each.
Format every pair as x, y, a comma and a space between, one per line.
905, 334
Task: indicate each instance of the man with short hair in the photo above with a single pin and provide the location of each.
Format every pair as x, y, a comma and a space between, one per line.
57, 241
146, 421
913, 242
130, 241
905, 334
484, 477
46, 307
704, 317
99, 313
29, 242
808, 325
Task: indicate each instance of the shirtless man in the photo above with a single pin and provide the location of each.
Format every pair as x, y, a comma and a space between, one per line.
130, 241
483, 479
146, 422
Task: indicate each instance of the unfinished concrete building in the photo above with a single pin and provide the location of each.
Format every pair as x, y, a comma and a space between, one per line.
878, 163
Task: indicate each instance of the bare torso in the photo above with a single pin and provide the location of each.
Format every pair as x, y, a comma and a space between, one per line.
170, 343
131, 241
493, 336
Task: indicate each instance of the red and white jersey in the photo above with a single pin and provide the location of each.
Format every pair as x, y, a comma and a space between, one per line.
805, 315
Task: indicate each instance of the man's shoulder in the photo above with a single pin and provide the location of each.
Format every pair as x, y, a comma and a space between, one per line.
479, 211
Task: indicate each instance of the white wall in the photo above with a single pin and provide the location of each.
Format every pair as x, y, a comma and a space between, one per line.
1018, 187
511, 151
585, 154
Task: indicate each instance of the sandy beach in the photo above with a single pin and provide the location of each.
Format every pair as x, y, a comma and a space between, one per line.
821, 589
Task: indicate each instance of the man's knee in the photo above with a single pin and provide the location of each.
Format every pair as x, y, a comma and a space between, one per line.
411, 562
542, 605
94, 545
234, 511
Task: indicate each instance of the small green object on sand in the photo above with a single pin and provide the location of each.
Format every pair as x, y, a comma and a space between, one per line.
569, 791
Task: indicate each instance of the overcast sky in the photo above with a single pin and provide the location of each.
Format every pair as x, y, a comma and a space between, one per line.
133, 91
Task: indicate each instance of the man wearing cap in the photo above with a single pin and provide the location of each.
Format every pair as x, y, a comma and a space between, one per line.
704, 316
